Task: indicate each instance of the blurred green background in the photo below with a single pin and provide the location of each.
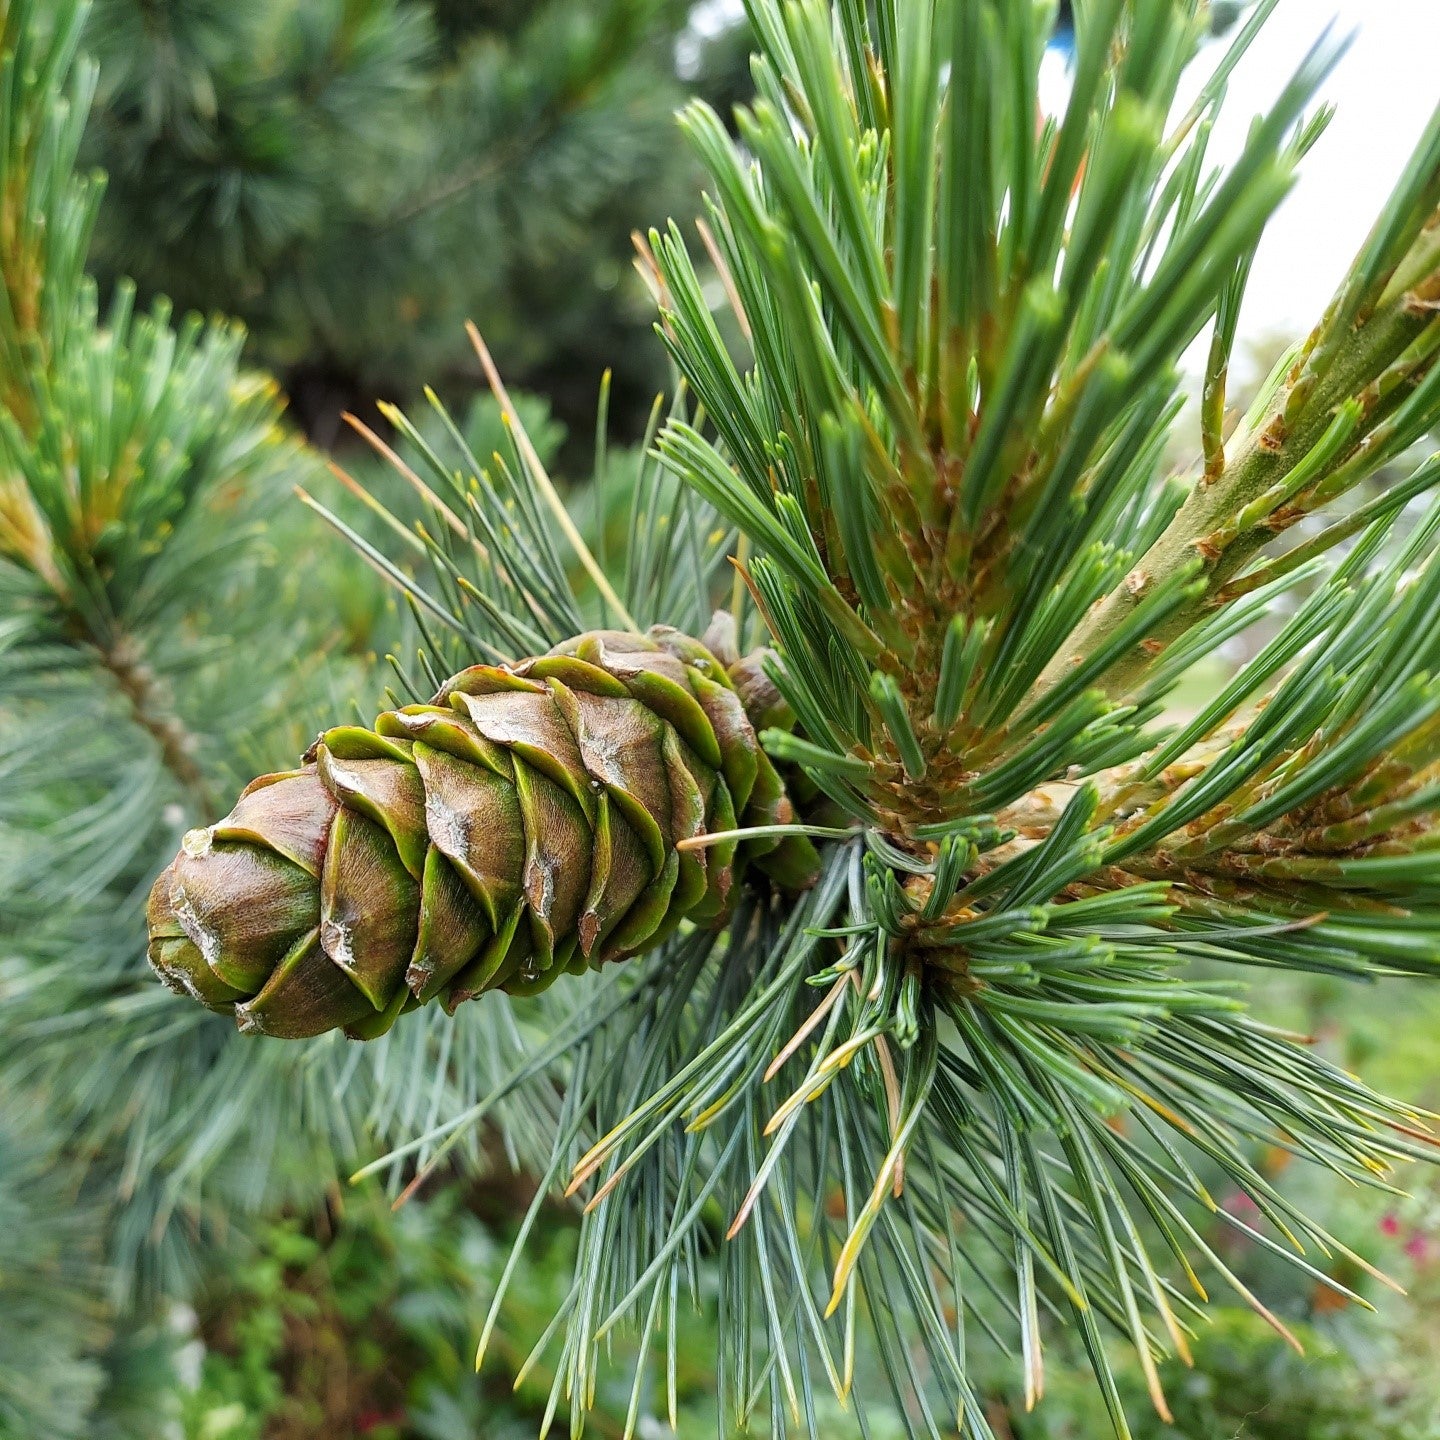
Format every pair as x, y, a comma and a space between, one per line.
353, 179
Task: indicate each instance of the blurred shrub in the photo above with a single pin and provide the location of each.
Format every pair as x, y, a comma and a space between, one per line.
1246, 1384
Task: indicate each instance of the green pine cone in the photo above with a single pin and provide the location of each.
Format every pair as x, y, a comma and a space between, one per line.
522, 825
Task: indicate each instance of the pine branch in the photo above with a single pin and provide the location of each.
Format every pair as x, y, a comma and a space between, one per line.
149, 708
1290, 456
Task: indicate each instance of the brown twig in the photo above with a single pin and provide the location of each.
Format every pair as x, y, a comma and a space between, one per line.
150, 709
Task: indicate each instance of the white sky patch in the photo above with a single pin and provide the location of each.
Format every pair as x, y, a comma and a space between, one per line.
1385, 89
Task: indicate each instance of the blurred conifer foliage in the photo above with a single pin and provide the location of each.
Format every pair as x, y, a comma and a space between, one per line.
354, 178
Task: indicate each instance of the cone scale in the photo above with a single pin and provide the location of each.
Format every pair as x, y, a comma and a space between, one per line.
521, 826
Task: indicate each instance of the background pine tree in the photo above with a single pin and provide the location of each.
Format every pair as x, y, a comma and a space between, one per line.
353, 181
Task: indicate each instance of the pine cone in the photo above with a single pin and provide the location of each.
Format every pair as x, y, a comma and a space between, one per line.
522, 825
